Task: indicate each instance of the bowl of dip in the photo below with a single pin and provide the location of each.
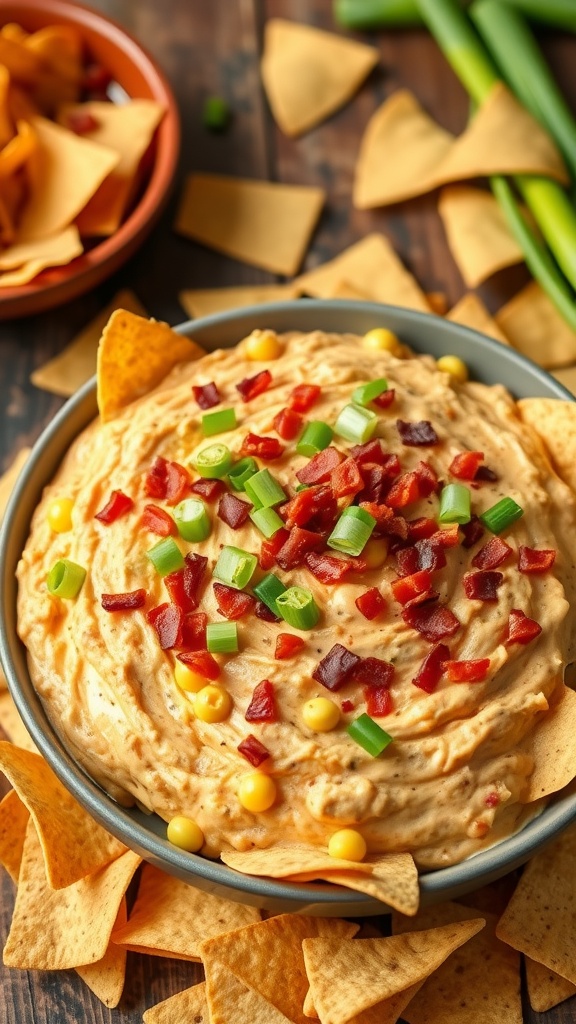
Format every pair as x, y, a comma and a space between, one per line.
451, 781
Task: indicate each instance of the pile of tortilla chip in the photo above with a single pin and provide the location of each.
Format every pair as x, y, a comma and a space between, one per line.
69, 162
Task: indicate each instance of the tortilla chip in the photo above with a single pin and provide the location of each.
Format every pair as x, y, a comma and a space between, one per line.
540, 919
9, 478
404, 153
72, 367
567, 378
268, 958
47, 85
228, 999
6, 126
471, 312
477, 231
66, 171
479, 982
259, 222
189, 1005
106, 977
535, 328
554, 420
134, 355
348, 977
60, 47
18, 151
30, 258
55, 813
171, 918
545, 988
12, 724
205, 301
553, 747
13, 823
343, 290
69, 927
308, 73
438, 302
372, 268
398, 888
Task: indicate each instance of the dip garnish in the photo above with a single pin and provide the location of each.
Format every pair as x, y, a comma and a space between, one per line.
303, 397
232, 604
298, 608
416, 434
316, 436
521, 629
123, 602
65, 579
117, 505
267, 521
166, 556
473, 671
482, 585
222, 637
262, 706
368, 735
235, 567
233, 511
59, 515
156, 520
535, 560
267, 448
432, 668
455, 504
268, 589
257, 792
167, 480
366, 393
370, 603
218, 422
264, 490
210, 490
321, 714
192, 520
251, 387
254, 751
287, 645
212, 704
241, 472
336, 667
355, 423
465, 465
206, 395
501, 515
202, 664
492, 554
213, 462
352, 531
288, 424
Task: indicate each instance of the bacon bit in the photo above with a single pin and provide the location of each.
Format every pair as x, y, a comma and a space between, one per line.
417, 434
262, 707
379, 701
492, 554
254, 751
448, 537
482, 586
174, 583
267, 448
384, 401
81, 122
167, 620
370, 603
287, 645
303, 396
427, 479
487, 475
270, 549
395, 527
298, 544
534, 560
422, 528
492, 800
178, 482
232, 604
465, 465
251, 387
336, 667
376, 485
123, 602
96, 78
288, 424
194, 569
382, 514
474, 671
430, 555
406, 588
207, 395
158, 521
318, 470
306, 504
373, 672
521, 629
233, 511
201, 662
118, 504
434, 622
407, 561
347, 706
404, 491
430, 672
208, 489
370, 452
346, 479
194, 631
472, 531
327, 568
265, 613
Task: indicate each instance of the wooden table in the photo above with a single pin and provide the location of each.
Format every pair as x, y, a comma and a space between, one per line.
208, 48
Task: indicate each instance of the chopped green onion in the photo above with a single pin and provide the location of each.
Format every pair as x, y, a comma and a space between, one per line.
65, 578
368, 735
366, 393
213, 462
298, 608
455, 504
302, 487
264, 490
315, 437
267, 520
352, 531
192, 519
215, 114
222, 637
241, 472
235, 567
219, 421
356, 424
268, 589
166, 556
501, 515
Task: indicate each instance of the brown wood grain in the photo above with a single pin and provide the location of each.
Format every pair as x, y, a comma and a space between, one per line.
212, 46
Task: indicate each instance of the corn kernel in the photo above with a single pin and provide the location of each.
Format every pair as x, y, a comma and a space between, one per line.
185, 833
455, 367
380, 339
188, 680
321, 714
60, 515
262, 346
212, 704
375, 553
256, 791
347, 844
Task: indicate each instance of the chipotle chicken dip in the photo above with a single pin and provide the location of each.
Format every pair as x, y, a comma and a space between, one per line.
314, 583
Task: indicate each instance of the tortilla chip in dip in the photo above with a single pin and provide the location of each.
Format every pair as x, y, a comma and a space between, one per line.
554, 420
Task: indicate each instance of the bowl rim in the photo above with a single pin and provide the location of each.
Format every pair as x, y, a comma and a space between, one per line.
484, 866
142, 218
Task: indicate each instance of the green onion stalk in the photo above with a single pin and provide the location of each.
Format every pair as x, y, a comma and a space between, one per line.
559, 13
364, 15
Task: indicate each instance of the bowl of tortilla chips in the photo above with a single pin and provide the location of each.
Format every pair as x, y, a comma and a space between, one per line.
282, 879
89, 141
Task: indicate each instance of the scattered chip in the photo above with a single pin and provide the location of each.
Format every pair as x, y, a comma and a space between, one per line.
343, 290
545, 988
204, 301
567, 377
105, 978
134, 355
189, 1005
9, 478
553, 747
259, 222
554, 420
72, 367
13, 823
535, 328
471, 312
309, 73
478, 234
11, 721
229, 999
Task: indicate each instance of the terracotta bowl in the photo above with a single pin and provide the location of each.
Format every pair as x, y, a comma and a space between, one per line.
139, 75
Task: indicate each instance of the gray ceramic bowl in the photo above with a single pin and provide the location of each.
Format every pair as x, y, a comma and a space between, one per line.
488, 361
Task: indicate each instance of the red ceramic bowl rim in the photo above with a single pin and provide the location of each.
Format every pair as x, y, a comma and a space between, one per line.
167, 146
